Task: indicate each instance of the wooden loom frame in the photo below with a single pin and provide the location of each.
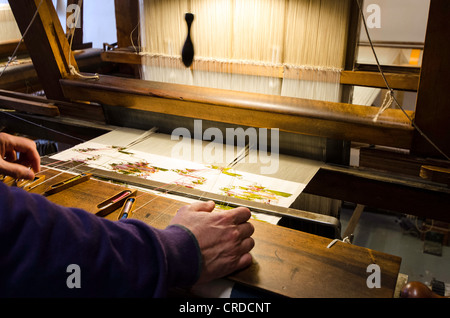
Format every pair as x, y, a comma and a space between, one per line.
48, 48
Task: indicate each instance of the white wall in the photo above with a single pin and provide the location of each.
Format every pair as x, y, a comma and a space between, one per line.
99, 22
401, 20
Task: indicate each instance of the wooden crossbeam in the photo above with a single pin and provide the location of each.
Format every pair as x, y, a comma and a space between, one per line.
311, 117
407, 82
32, 107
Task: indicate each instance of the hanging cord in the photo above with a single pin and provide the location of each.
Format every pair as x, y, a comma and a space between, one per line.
73, 70
387, 102
136, 49
14, 55
391, 91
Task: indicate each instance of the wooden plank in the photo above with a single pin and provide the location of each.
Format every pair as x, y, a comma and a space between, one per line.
88, 112
436, 174
407, 82
286, 262
46, 43
351, 226
8, 47
310, 117
122, 56
393, 160
432, 108
31, 107
21, 78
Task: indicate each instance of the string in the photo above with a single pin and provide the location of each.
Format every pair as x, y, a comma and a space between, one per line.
164, 186
76, 168
73, 70
43, 127
53, 177
168, 186
239, 157
131, 37
167, 190
387, 102
391, 90
141, 138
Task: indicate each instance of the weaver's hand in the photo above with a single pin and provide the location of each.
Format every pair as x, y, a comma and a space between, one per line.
224, 237
18, 167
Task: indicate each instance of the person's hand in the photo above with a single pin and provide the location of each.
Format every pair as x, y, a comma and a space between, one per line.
15, 167
224, 237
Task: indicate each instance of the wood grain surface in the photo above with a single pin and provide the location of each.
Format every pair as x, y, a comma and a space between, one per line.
288, 114
286, 262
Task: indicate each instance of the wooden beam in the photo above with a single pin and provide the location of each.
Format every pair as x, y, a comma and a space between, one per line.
311, 117
21, 78
8, 47
436, 174
351, 226
90, 112
395, 161
26, 106
46, 43
122, 55
382, 190
433, 99
407, 82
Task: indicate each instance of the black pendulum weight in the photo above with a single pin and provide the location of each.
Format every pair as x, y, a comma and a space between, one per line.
187, 54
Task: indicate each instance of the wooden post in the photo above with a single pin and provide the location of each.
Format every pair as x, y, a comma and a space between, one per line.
433, 99
127, 25
127, 20
46, 43
77, 43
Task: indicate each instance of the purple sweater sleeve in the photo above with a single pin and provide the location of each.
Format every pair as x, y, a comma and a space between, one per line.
39, 240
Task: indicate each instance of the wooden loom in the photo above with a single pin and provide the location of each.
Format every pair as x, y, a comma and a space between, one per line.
112, 97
